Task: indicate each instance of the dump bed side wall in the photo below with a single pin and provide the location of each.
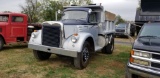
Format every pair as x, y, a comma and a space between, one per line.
108, 26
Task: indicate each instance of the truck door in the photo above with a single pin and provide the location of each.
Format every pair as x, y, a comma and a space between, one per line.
18, 27
94, 29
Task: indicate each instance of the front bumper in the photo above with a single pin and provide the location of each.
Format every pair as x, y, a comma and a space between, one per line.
54, 50
141, 72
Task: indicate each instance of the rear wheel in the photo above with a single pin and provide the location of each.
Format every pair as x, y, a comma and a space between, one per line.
41, 55
133, 34
108, 49
82, 59
1, 43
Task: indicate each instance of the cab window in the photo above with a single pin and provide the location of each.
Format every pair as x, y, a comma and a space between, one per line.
93, 18
17, 19
4, 18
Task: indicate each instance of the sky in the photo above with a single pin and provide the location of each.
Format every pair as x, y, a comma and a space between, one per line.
124, 8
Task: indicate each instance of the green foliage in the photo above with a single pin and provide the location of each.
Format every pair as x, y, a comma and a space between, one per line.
120, 20
32, 9
49, 12
45, 10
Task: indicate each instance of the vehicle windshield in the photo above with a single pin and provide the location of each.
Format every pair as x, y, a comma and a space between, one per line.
150, 31
4, 18
78, 15
121, 25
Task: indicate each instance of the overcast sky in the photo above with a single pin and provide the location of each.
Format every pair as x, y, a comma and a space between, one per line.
125, 8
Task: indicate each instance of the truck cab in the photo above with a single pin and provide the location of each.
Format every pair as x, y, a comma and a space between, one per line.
82, 30
13, 28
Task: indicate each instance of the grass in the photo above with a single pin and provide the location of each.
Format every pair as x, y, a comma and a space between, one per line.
19, 62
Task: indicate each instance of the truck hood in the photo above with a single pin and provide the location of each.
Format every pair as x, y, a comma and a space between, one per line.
147, 44
69, 30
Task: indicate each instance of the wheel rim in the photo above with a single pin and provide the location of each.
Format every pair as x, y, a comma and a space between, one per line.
85, 54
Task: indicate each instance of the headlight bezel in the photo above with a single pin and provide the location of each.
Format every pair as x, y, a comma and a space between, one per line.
35, 34
139, 54
140, 62
74, 38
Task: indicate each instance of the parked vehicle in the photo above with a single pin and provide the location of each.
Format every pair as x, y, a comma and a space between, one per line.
81, 31
147, 12
125, 29
15, 28
144, 59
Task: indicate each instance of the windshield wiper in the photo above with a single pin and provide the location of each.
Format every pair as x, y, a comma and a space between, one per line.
149, 36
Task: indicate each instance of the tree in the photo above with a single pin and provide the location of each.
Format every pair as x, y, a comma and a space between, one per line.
120, 19
32, 9
50, 9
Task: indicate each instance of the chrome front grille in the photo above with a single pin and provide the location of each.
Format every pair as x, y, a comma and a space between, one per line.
154, 59
51, 36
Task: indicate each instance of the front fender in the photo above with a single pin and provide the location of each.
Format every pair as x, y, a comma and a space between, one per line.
69, 45
36, 40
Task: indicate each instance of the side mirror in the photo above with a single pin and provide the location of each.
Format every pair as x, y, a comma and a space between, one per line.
90, 11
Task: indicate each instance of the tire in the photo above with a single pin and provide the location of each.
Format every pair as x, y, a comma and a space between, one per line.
108, 49
82, 59
133, 34
1, 43
39, 55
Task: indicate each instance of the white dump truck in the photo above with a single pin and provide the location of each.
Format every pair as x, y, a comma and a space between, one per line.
82, 30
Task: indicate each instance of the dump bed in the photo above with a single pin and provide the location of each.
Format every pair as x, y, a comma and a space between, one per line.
108, 26
110, 16
149, 11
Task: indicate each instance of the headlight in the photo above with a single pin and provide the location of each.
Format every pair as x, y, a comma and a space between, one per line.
141, 62
138, 61
73, 39
35, 33
140, 54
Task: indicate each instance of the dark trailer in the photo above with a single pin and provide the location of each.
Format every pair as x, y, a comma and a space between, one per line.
149, 11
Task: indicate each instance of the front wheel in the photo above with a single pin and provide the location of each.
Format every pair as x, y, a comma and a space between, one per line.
41, 55
82, 59
1, 43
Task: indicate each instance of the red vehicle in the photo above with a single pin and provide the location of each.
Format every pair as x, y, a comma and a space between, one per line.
14, 28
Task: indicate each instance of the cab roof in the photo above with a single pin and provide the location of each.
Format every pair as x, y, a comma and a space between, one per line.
10, 13
86, 6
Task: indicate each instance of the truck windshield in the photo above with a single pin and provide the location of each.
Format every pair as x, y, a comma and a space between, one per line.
150, 31
78, 15
121, 25
4, 18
